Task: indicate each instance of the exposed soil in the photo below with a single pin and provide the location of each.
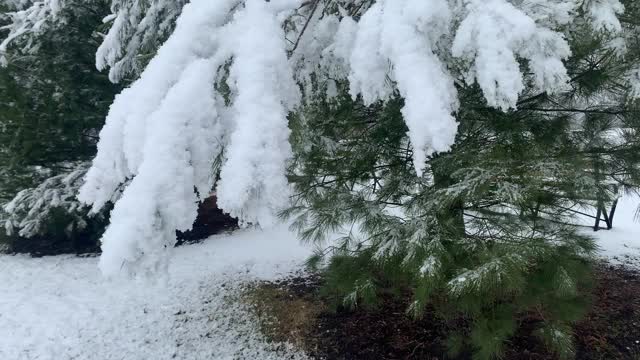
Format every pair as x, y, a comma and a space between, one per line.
287, 311
611, 330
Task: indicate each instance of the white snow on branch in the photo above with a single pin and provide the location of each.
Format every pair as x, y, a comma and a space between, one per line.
604, 14
178, 156
551, 12
120, 150
369, 68
252, 183
393, 47
493, 36
31, 208
163, 132
136, 26
412, 29
29, 21
634, 80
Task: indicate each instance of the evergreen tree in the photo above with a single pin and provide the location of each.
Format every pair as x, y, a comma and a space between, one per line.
487, 233
53, 104
253, 57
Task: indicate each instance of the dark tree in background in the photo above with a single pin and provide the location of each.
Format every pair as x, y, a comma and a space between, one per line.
52, 105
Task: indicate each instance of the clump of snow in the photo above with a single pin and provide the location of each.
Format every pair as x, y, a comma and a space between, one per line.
369, 68
29, 211
167, 129
167, 146
493, 35
178, 157
422, 79
62, 308
253, 186
604, 14
396, 42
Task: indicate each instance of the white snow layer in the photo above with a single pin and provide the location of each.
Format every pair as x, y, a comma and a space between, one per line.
622, 243
166, 129
62, 308
604, 14
493, 35
253, 186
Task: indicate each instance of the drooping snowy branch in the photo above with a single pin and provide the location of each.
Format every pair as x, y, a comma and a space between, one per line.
604, 14
164, 133
228, 76
178, 155
136, 29
168, 145
493, 36
29, 210
409, 36
392, 47
252, 184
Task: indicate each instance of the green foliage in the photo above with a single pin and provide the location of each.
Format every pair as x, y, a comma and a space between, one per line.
56, 236
53, 101
487, 233
52, 104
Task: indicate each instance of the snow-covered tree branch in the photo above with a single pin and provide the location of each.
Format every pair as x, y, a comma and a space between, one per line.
27, 21
31, 208
228, 75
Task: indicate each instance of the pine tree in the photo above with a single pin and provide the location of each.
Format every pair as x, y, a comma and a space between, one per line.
487, 233
53, 104
243, 50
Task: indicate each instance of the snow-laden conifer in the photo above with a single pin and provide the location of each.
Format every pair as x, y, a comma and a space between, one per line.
419, 50
451, 139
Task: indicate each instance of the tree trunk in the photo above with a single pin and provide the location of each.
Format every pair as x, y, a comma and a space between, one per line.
451, 218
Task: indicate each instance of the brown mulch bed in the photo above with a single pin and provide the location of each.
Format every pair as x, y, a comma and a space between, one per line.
611, 330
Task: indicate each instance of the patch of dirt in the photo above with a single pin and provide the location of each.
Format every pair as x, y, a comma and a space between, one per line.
611, 330
384, 333
287, 309
294, 312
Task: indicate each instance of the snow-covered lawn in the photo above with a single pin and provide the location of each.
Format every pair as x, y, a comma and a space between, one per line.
59, 308
622, 243
62, 308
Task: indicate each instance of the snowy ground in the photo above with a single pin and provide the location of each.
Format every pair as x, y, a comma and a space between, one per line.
59, 308
622, 243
